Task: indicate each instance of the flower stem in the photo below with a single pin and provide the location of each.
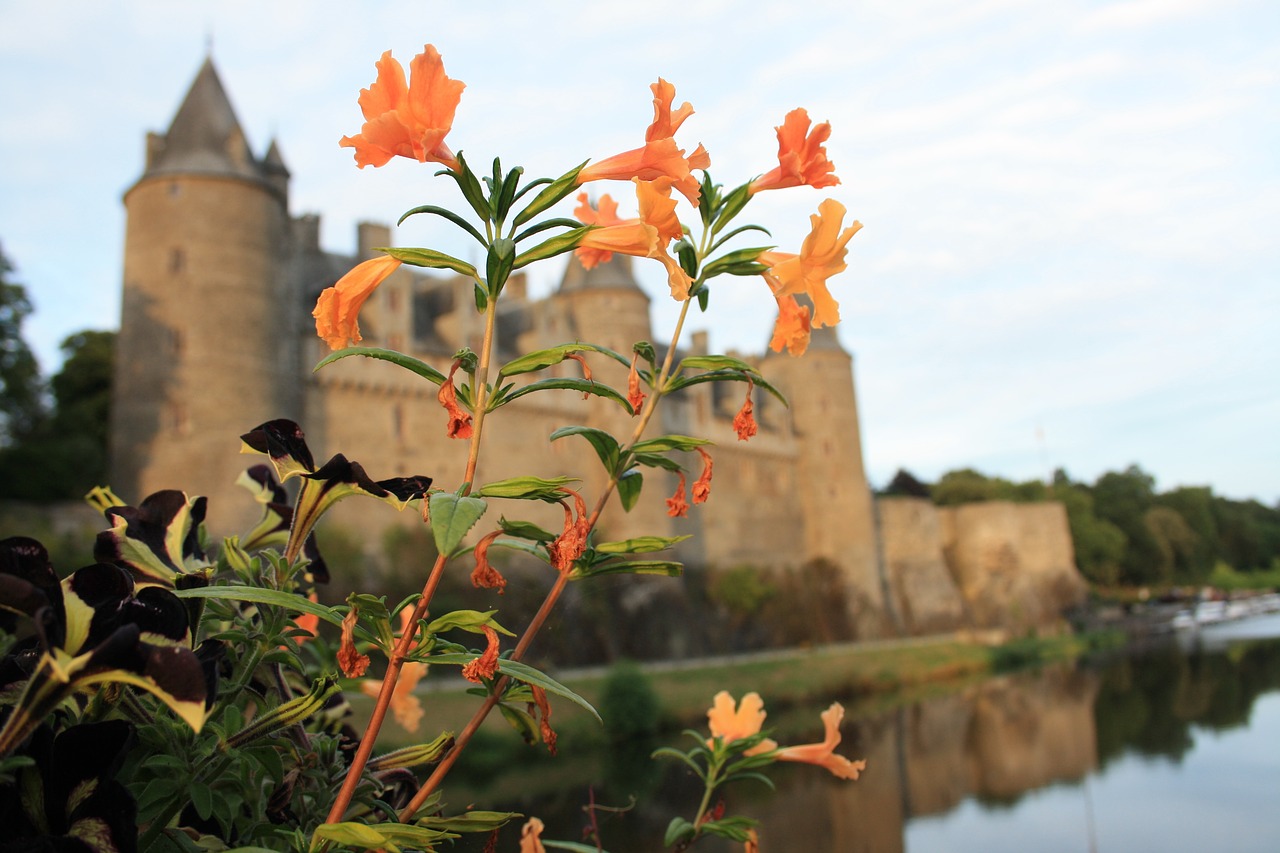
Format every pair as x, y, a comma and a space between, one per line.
553, 595
396, 661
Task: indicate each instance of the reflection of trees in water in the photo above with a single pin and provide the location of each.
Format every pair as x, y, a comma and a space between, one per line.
1148, 703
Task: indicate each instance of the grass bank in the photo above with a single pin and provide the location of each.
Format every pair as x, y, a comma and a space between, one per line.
866, 677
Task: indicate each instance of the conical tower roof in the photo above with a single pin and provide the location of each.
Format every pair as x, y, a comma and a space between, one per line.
613, 274
205, 136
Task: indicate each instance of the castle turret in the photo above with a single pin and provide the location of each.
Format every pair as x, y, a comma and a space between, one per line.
207, 346
832, 486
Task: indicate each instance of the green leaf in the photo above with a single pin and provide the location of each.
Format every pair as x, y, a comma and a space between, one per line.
526, 530
678, 382
452, 517
467, 620
734, 233
472, 821
606, 446
520, 720
678, 830
629, 486
410, 363
666, 443
434, 260
632, 567
640, 545
258, 595
447, 214
544, 358
566, 384
715, 362
529, 675
554, 192
573, 846
655, 460
202, 798
526, 488
551, 247
546, 225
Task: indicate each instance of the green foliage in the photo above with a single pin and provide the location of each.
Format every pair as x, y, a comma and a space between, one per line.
629, 705
21, 391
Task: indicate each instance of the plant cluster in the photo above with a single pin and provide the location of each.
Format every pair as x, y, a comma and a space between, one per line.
179, 694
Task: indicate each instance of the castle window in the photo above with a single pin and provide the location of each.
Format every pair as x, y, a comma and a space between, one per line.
393, 300
397, 421
177, 260
175, 189
176, 342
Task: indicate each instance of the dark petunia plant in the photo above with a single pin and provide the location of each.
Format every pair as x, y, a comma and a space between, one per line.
188, 695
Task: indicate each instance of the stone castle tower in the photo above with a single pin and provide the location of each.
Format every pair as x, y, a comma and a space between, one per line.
216, 337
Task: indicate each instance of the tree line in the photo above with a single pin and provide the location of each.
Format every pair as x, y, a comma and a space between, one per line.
53, 432
1125, 531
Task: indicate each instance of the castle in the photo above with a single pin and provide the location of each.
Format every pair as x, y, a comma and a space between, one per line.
216, 337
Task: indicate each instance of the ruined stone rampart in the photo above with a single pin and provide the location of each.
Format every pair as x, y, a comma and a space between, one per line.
989, 565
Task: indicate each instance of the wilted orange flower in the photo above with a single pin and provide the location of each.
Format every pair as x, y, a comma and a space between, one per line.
752, 844
337, 311
646, 237
677, 506
634, 395
744, 423
729, 722
351, 662
586, 371
459, 425
823, 754
543, 707
571, 542
802, 157
702, 487
531, 837
485, 666
485, 576
407, 120
821, 256
792, 329
659, 157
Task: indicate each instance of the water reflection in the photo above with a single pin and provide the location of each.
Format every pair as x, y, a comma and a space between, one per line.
1081, 757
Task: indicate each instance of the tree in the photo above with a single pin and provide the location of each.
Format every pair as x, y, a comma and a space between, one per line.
1123, 499
1195, 505
21, 392
64, 454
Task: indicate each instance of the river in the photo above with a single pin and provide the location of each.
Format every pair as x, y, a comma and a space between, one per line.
1171, 748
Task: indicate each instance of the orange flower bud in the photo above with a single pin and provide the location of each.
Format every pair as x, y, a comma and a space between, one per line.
745, 421
702, 487
352, 663
634, 395
485, 666
337, 311
485, 576
677, 506
459, 425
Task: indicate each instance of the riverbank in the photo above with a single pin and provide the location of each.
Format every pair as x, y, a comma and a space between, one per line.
866, 677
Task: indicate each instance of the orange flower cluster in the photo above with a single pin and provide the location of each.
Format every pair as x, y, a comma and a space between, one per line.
405, 706
821, 256
659, 157
407, 120
730, 723
645, 237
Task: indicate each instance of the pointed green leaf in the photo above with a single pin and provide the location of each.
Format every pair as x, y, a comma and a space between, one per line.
526, 530
467, 620
585, 386
434, 260
666, 443
640, 545
553, 193
629, 486
551, 247
678, 382
715, 362
606, 446
631, 567
452, 517
438, 211
544, 358
526, 488
421, 368
520, 720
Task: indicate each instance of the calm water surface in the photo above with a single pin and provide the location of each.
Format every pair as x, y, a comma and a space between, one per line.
1173, 749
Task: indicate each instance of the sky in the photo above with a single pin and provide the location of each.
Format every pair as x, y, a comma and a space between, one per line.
1069, 256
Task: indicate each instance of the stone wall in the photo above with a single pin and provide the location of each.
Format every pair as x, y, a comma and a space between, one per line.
989, 565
